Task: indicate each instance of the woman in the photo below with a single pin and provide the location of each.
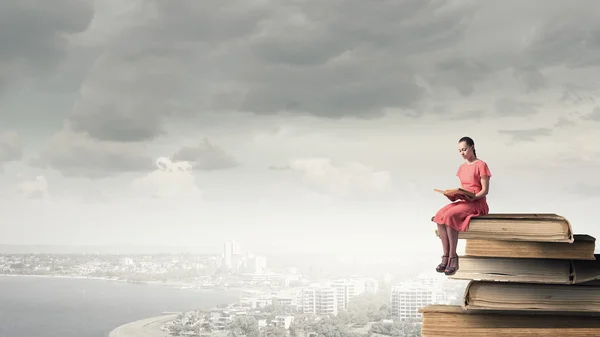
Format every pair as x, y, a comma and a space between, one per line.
474, 176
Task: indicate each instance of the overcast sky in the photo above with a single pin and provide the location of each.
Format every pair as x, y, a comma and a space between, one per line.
313, 126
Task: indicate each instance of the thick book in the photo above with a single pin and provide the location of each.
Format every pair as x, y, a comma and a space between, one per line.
455, 192
452, 321
519, 227
550, 271
500, 296
582, 248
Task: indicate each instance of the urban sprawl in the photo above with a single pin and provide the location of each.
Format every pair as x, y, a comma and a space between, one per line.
273, 301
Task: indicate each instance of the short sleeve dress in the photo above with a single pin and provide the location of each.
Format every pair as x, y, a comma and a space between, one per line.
458, 214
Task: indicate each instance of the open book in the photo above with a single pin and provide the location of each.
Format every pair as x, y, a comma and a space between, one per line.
455, 192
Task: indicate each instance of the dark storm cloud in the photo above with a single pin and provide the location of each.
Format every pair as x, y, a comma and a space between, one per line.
136, 84
337, 58
570, 37
205, 157
33, 35
75, 155
346, 58
330, 59
460, 73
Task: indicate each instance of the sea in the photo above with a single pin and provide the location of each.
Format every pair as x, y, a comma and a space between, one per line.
63, 307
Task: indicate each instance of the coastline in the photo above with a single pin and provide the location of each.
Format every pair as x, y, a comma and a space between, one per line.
173, 284
147, 327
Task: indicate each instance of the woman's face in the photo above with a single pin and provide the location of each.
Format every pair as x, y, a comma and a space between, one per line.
465, 150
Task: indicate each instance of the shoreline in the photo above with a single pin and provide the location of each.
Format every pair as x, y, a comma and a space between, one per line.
147, 327
172, 284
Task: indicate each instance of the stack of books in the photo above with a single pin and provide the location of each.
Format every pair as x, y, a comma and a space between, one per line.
529, 275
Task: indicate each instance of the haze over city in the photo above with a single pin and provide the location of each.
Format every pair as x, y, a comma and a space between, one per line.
304, 127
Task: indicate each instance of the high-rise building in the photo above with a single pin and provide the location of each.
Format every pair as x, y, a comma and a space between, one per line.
346, 289
255, 264
318, 300
408, 297
231, 249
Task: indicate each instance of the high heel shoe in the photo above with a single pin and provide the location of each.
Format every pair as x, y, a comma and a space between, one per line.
452, 270
442, 266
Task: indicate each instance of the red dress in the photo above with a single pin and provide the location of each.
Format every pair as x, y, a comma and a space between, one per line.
458, 214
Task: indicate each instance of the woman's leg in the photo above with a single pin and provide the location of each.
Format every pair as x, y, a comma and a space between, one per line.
445, 246
453, 242
440, 219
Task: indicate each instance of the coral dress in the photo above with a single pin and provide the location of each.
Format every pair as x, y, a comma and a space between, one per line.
458, 214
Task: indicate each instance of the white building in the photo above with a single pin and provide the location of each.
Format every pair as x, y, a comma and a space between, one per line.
255, 264
346, 289
231, 249
318, 300
408, 297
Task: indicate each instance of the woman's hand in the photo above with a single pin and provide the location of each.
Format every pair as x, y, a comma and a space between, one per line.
468, 198
463, 197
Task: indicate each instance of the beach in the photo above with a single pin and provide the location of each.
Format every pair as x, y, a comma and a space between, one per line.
149, 327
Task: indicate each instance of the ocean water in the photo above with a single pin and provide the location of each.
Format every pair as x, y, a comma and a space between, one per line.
58, 307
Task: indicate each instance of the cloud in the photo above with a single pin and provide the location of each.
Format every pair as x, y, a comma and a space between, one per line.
205, 157
531, 77
35, 36
171, 179
11, 148
340, 179
564, 122
132, 106
162, 63
511, 107
594, 115
75, 154
461, 73
576, 93
567, 37
34, 189
527, 135
262, 57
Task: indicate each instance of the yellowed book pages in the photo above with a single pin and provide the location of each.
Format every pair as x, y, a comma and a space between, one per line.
552, 271
453, 321
519, 227
514, 270
500, 296
582, 248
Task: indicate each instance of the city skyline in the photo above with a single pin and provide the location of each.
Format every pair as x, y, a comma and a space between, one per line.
301, 127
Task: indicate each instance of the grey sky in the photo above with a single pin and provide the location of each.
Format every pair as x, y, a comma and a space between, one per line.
286, 123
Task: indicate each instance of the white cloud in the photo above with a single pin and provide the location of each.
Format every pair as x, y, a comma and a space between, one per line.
34, 189
170, 180
341, 179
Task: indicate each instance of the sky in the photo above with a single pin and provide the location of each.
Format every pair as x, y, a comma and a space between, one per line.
299, 126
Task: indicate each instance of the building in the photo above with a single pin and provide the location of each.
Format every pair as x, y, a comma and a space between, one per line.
346, 289
318, 300
408, 297
231, 251
255, 264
